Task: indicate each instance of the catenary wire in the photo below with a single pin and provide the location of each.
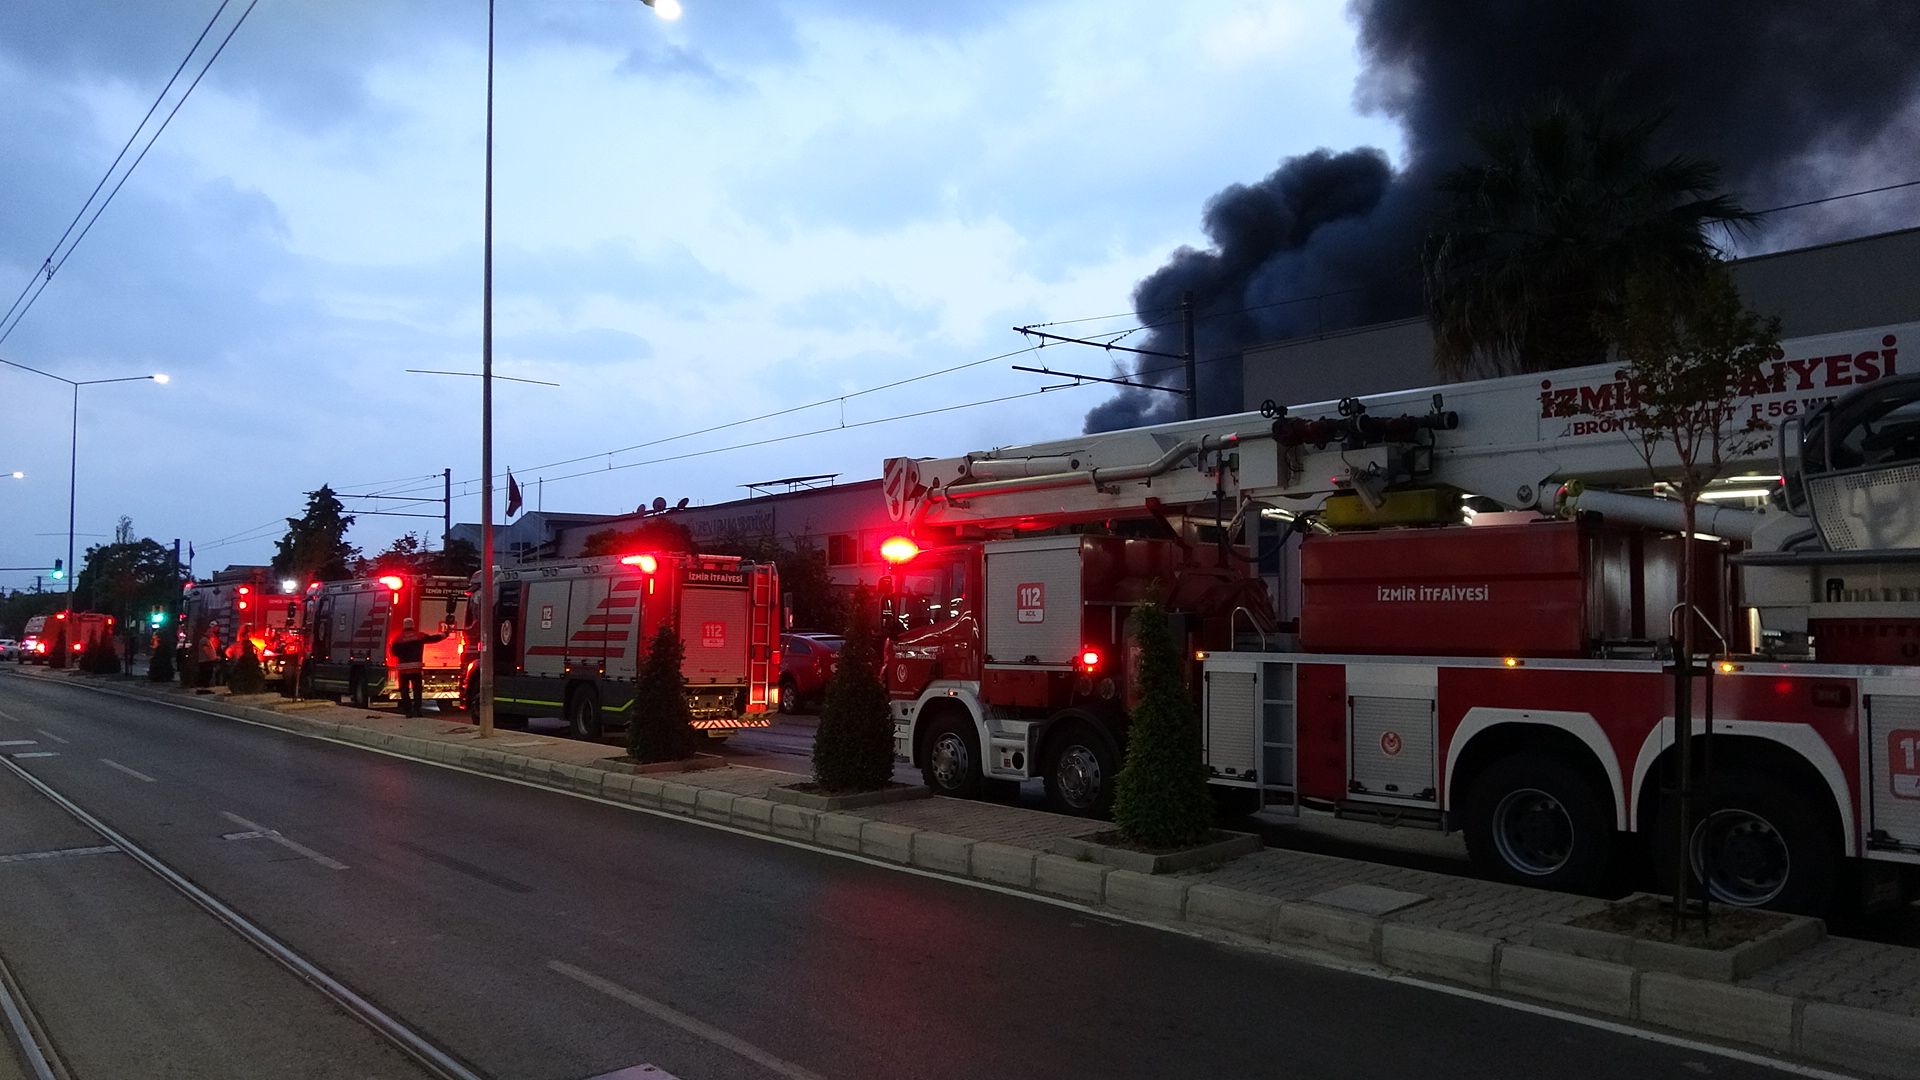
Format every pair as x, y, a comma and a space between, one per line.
46, 274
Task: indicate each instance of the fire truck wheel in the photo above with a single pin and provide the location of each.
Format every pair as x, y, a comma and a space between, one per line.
1758, 841
1533, 819
953, 758
357, 691
583, 714
1081, 767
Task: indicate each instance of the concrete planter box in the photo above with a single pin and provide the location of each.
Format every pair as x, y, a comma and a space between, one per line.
1224, 846
892, 793
1794, 935
698, 763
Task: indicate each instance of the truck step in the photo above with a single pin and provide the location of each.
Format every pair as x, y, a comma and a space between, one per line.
1412, 817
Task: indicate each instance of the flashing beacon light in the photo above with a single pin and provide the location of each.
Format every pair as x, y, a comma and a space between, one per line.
647, 563
62, 615
289, 585
1511, 661
392, 581
243, 605
899, 549
1089, 659
246, 590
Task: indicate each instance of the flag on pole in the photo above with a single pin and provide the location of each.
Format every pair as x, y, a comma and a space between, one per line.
513, 495
189, 552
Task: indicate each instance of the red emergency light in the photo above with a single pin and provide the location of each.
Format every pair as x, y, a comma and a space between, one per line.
245, 591
647, 563
62, 615
899, 549
393, 581
1088, 660
243, 605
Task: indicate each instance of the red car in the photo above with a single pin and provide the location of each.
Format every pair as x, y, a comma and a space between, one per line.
807, 661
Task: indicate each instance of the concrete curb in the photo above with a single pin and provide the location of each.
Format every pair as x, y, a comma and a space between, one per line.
1874, 1043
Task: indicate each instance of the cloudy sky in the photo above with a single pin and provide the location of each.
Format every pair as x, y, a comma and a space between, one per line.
762, 205
765, 207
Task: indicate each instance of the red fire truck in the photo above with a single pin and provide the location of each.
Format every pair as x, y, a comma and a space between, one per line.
1474, 591
350, 624
245, 602
45, 633
571, 638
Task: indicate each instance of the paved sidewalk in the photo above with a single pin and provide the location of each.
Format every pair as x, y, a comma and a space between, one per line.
1843, 1002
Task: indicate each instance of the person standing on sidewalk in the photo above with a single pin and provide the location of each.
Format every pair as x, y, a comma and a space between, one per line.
408, 650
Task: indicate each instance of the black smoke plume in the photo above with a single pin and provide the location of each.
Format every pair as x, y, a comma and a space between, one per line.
1794, 99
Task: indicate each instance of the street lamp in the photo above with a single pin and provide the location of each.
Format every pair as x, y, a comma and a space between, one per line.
73, 461
483, 697
18, 475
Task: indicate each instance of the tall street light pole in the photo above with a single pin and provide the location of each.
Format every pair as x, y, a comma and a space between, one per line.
73, 465
73, 454
489, 633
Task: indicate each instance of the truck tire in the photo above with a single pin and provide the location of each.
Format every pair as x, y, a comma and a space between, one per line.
583, 714
953, 757
1080, 770
1533, 819
1759, 840
357, 691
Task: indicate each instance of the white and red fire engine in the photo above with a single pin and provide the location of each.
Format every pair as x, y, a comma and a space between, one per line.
244, 602
350, 624
76, 630
1502, 672
571, 637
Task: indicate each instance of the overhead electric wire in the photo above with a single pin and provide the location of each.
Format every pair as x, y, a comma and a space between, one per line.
44, 276
749, 420
117, 158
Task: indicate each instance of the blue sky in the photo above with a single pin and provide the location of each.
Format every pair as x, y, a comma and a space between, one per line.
761, 205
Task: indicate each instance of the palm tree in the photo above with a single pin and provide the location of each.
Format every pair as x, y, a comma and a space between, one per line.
1530, 259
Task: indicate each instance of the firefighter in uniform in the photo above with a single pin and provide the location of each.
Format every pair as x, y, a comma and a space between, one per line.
407, 650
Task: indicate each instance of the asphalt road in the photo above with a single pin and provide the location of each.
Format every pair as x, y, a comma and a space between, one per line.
535, 934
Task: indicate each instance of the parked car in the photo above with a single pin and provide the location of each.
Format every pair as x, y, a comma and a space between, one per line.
807, 661
9, 649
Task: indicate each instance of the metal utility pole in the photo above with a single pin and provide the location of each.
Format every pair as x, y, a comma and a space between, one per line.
446, 507
483, 696
1186, 333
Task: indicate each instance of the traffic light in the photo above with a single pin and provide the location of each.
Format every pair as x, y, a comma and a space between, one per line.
59, 569
157, 620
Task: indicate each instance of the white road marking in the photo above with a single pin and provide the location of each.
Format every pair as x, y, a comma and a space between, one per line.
1309, 958
290, 845
690, 1025
250, 834
17, 742
57, 853
135, 773
637, 1072
50, 735
10, 716
37, 753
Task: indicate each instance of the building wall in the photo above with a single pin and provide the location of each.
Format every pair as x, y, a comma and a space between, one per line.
1871, 281
530, 535
846, 521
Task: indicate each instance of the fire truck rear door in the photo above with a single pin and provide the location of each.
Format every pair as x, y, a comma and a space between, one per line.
715, 623
545, 604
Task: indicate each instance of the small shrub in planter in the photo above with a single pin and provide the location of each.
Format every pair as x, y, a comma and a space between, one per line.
1160, 798
98, 658
160, 668
853, 750
247, 677
662, 724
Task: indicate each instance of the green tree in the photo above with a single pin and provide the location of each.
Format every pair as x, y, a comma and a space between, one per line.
127, 578
315, 547
160, 665
853, 750
98, 658
247, 677
459, 558
1526, 266
1160, 797
662, 724
20, 605
653, 534
1691, 355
